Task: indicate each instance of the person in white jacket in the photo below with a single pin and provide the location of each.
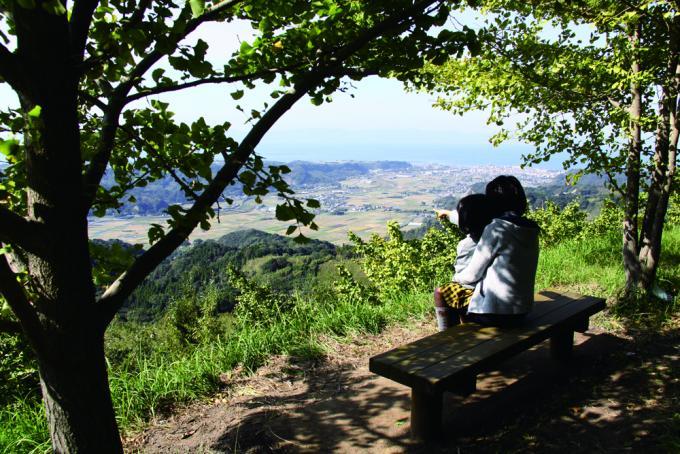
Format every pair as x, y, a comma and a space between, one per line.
503, 265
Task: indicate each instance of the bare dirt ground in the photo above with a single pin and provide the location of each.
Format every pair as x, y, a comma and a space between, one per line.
620, 393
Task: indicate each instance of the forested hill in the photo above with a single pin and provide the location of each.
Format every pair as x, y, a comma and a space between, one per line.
155, 197
267, 258
332, 173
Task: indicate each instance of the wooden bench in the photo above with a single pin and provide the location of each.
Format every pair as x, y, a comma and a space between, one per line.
450, 360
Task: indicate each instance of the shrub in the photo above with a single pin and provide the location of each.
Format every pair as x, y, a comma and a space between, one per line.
395, 265
257, 304
559, 224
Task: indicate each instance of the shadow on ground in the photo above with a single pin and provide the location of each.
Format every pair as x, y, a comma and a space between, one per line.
614, 395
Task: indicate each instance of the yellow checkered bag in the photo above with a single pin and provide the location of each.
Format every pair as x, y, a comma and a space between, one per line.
455, 295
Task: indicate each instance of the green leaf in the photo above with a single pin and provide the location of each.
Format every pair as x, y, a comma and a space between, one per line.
285, 213
238, 94
54, 7
291, 229
197, 7
157, 74
313, 203
247, 177
35, 112
26, 4
9, 147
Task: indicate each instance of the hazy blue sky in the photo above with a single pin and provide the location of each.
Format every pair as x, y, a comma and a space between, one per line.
381, 122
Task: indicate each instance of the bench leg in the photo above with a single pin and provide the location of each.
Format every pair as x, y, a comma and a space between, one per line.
426, 415
582, 326
561, 345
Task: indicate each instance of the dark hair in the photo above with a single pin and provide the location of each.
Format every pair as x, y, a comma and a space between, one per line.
474, 213
507, 194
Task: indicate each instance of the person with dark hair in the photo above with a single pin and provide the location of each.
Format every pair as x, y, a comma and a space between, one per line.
474, 213
508, 194
503, 265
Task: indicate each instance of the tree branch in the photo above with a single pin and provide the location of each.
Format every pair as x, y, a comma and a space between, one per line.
79, 25
114, 296
16, 298
11, 69
16, 230
117, 101
112, 299
93, 100
163, 162
156, 54
211, 80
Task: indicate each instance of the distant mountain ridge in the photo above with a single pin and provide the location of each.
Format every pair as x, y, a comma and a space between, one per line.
154, 198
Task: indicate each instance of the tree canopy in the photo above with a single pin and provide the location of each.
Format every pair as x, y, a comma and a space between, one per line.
80, 69
595, 79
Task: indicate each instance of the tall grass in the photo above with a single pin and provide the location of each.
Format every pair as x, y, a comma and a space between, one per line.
590, 266
23, 427
161, 380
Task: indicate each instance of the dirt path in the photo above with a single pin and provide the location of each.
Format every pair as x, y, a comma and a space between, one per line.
616, 395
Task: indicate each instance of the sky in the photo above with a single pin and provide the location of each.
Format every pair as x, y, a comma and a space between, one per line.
380, 122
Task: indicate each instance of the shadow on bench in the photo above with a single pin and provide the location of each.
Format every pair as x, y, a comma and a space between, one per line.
450, 360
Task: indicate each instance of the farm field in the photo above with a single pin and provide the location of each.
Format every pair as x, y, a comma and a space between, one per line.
363, 205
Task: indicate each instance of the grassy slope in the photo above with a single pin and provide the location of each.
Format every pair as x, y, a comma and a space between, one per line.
159, 380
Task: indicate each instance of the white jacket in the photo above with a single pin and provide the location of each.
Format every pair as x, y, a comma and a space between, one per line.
503, 268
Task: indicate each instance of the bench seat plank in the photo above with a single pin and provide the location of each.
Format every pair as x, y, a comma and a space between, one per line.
455, 356
449, 339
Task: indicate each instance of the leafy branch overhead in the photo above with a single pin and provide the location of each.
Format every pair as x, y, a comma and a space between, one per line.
90, 78
597, 82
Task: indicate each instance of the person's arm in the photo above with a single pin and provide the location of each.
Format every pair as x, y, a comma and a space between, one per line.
484, 254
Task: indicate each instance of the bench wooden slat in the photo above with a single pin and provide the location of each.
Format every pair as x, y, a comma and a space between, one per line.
445, 355
512, 342
450, 338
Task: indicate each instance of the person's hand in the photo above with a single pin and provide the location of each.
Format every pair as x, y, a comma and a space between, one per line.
443, 214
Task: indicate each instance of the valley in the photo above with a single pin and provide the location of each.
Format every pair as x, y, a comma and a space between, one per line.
362, 202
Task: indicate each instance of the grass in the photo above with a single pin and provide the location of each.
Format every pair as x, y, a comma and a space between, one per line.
160, 381
159, 377
593, 267
23, 427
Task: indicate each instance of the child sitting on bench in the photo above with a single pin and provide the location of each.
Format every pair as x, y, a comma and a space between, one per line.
474, 213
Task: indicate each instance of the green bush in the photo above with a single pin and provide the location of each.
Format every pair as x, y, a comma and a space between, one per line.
559, 224
257, 304
395, 265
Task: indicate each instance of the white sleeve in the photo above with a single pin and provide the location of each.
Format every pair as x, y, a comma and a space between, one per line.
484, 254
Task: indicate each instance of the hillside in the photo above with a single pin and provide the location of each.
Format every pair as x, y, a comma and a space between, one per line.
273, 259
589, 191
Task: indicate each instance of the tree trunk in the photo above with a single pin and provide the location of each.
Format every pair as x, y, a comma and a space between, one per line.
76, 394
664, 164
631, 263
72, 365
658, 196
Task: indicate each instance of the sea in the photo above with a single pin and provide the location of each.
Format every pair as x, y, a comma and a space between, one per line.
466, 156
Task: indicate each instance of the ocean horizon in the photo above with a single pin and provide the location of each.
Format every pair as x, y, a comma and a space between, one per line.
464, 156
